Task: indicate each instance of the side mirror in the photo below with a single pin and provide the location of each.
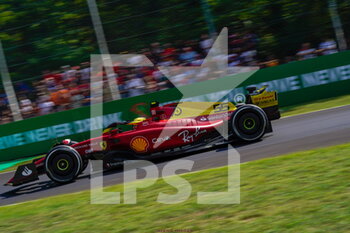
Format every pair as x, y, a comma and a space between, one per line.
154, 104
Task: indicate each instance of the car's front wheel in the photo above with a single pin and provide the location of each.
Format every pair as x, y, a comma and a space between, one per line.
63, 164
85, 164
248, 123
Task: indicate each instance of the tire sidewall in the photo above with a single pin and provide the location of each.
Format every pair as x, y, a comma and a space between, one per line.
72, 153
250, 109
85, 163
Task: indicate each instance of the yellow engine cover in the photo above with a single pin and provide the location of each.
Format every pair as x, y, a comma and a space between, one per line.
194, 109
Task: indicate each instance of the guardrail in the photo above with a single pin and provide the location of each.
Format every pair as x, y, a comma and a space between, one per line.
296, 82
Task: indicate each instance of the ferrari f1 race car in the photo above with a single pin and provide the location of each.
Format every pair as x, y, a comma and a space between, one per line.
171, 129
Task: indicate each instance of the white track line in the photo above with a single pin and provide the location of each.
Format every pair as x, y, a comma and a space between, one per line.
321, 110
19, 203
7, 172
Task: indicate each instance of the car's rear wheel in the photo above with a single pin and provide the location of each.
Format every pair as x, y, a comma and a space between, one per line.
63, 164
248, 123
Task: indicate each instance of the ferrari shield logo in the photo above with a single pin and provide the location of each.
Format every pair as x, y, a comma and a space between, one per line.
103, 145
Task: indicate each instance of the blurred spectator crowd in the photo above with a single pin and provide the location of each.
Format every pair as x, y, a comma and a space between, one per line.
69, 87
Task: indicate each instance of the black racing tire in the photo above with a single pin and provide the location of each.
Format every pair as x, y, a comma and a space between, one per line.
248, 123
63, 164
85, 164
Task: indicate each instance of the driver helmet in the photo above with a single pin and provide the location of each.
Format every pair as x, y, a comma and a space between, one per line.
137, 120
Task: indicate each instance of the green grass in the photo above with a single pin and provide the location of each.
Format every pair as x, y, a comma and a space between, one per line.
301, 192
316, 105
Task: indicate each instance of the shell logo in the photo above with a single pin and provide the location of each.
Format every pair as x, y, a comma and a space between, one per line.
139, 144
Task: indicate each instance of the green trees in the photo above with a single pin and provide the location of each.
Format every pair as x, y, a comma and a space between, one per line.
39, 35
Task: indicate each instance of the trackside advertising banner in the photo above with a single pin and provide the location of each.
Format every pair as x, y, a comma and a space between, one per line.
288, 84
57, 131
296, 82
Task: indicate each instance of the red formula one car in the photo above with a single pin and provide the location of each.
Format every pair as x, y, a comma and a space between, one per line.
172, 129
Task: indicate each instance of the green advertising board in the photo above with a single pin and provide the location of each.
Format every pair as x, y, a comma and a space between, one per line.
296, 83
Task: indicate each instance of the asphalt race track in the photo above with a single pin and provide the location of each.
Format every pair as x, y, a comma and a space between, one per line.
291, 134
